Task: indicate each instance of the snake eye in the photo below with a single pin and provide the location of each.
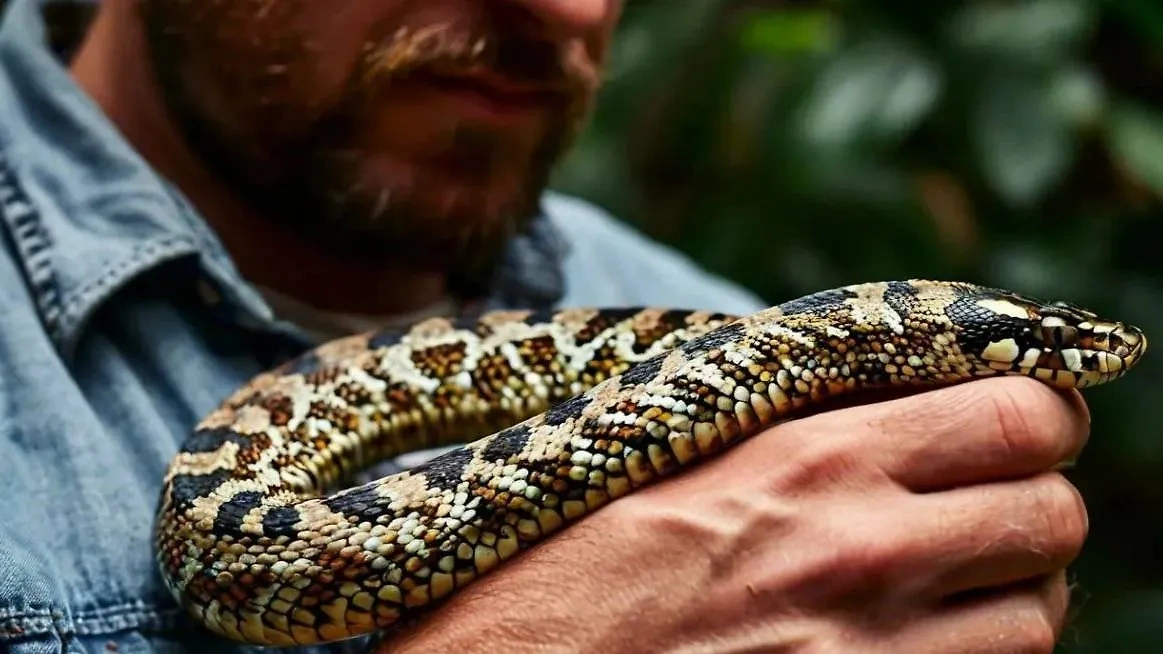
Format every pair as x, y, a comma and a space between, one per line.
1057, 333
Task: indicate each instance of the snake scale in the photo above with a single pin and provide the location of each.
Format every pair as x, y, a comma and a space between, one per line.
259, 538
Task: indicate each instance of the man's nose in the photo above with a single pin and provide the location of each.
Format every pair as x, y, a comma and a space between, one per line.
568, 18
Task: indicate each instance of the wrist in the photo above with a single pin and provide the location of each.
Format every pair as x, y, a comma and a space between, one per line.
593, 587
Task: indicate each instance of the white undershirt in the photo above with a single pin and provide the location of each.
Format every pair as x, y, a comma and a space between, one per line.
322, 325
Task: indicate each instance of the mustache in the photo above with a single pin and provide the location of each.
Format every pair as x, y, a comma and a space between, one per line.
449, 51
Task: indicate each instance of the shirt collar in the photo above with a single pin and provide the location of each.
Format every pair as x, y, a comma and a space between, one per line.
86, 214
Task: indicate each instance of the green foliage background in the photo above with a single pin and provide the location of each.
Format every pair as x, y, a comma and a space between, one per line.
795, 146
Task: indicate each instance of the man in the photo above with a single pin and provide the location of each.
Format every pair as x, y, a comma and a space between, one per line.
211, 187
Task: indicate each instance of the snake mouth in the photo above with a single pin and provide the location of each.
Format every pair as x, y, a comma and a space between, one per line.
1086, 353
1101, 354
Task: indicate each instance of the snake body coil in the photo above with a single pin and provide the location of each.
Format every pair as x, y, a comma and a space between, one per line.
589, 404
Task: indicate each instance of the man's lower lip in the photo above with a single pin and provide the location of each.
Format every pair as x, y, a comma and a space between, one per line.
479, 102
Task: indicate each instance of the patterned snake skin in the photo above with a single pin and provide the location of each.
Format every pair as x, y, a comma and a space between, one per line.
256, 542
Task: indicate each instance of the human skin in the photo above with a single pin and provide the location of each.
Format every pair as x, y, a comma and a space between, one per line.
928, 523
388, 148
857, 530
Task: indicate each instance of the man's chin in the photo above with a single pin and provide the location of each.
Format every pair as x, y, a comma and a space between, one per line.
429, 232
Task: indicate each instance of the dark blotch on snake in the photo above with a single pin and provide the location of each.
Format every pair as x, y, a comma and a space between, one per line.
232, 511
362, 502
184, 489
208, 440
615, 316
980, 326
603, 320
817, 304
445, 471
506, 444
668, 322
677, 319
280, 521
643, 372
570, 408
468, 321
540, 316
902, 297
716, 338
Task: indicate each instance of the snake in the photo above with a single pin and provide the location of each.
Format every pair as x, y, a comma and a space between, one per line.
264, 536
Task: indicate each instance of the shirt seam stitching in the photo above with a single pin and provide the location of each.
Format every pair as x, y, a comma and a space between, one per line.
78, 304
21, 624
31, 243
63, 313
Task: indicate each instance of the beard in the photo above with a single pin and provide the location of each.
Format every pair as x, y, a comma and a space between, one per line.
320, 167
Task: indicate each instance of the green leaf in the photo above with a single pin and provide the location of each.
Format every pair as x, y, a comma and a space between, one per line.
1077, 93
789, 32
1136, 138
1040, 31
876, 91
1022, 141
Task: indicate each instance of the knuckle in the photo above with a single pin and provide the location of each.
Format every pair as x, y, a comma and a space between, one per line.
1038, 633
844, 564
1063, 512
1039, 637
815, 461
1021, 419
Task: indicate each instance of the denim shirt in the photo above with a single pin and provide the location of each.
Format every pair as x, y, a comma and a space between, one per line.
123, 321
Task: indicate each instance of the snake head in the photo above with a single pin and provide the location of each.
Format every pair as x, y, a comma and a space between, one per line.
1057, 342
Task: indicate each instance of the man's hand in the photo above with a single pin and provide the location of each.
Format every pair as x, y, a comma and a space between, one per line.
930, 523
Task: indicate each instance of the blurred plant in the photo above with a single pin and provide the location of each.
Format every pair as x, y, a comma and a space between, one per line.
794, 146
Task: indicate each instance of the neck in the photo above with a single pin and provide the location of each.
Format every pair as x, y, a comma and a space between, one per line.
112, 67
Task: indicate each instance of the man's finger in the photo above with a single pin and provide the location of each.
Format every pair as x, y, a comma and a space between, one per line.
1024, 618
998, 534
980, 431
931, 546
977, 432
